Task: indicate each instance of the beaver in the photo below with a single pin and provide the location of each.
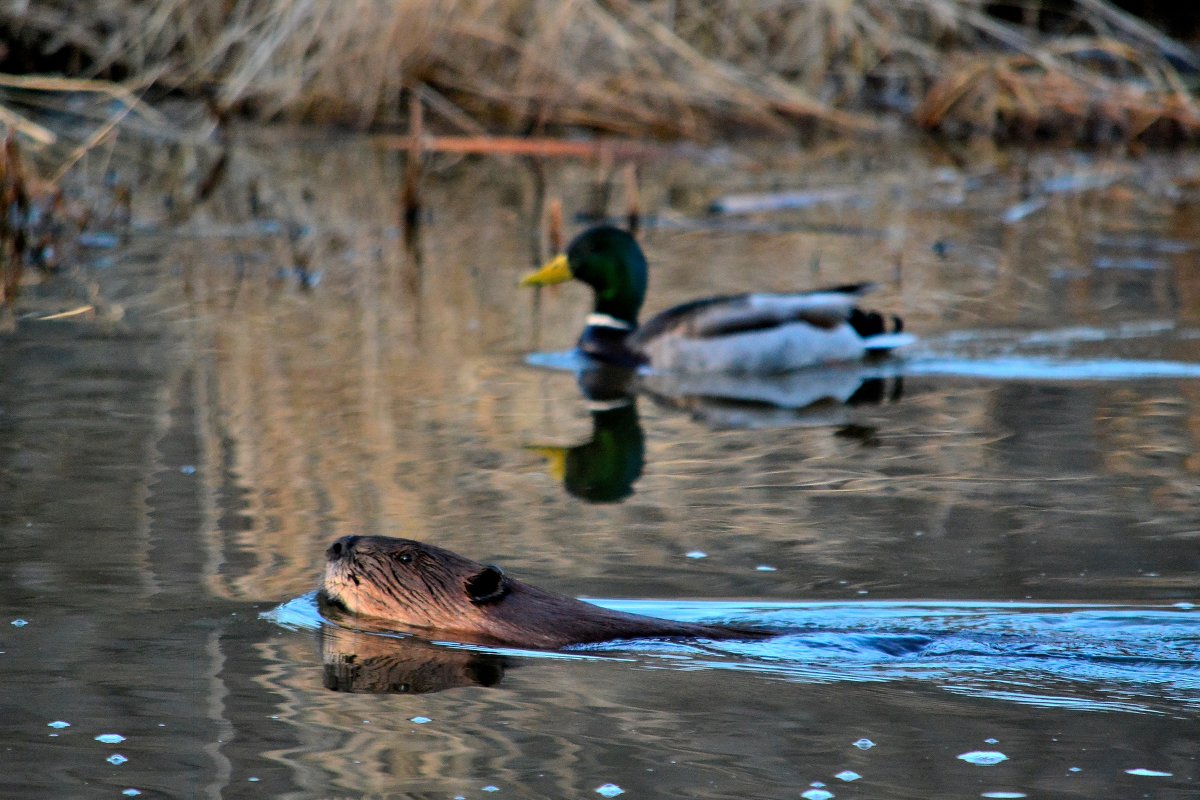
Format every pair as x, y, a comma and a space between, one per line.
412, 585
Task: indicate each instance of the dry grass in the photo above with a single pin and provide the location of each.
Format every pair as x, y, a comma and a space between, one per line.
688, 68
33, 220
57, 180
41, 224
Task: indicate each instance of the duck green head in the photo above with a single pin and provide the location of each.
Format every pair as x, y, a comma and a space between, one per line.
610, 261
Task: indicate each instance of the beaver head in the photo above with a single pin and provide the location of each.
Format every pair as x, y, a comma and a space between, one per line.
407, 582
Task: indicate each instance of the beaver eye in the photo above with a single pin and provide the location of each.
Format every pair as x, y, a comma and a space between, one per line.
406, 558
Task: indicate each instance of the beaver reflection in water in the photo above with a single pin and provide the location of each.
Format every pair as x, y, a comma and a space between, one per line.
412, 585
361, 662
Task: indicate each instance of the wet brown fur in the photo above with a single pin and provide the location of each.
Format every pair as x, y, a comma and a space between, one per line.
412, 585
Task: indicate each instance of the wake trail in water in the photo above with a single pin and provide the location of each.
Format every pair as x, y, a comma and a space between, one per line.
1088, 657
1096, 657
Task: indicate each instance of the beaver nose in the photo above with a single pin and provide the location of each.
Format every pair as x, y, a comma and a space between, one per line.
341, 547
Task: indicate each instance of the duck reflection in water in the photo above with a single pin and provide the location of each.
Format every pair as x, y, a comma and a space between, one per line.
818, 397
605, 468
368, 663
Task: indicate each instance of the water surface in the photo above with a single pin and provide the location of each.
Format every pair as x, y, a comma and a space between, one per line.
989, 546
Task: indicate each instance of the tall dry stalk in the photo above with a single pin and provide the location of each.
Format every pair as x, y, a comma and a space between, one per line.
678, 67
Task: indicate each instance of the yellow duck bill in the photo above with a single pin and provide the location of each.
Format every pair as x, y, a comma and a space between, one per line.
556, 270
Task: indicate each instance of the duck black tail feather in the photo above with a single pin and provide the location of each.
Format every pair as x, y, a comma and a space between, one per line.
872, 323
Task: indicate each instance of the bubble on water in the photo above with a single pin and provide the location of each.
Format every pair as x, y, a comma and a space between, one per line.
110, 738
1185, 606
58, 723
131, 792
1075, 769
1004, 795
991, 741
984, 758
188, 469
697, 554
420, 720
765, 568
19, 623
817, 794
864, 744
609, 790
847, 775
490, 788
817, 784
1148, 773
253, 779
117, 759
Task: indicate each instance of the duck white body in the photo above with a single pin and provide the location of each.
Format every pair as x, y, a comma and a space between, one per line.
759, 334
765, 352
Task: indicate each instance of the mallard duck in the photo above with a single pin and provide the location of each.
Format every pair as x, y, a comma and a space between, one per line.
747, 333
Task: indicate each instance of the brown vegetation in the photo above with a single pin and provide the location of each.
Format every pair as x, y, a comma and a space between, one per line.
35, 221
689, 68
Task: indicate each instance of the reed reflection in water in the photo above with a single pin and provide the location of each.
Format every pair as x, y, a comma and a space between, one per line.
384, 404
170, 475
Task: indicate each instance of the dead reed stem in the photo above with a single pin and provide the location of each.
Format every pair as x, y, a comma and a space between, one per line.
554, 226
539, 146
410, 201
633, 198
684, 68
14, 209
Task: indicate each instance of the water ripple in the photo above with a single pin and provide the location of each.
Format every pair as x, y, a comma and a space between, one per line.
1094, 657
1090, 657
1064, 369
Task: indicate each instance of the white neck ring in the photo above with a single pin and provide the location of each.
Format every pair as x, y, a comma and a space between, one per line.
607, 321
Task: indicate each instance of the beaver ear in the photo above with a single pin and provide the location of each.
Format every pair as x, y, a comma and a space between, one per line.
487, 585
